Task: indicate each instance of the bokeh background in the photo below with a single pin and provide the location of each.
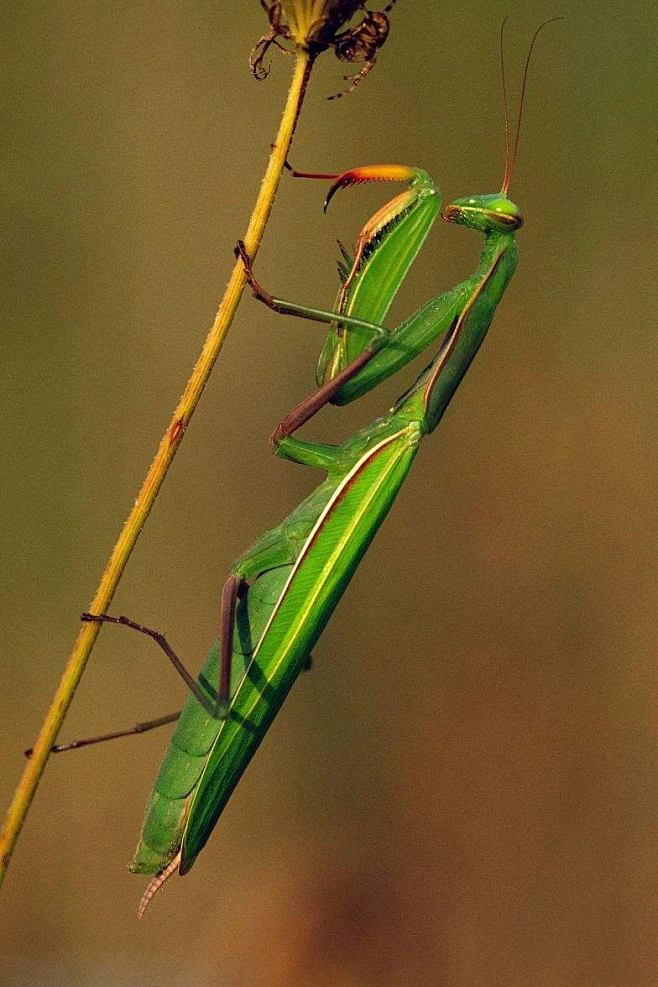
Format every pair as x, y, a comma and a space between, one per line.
464, 790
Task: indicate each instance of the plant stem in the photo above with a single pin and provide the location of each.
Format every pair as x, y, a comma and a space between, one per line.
172, 438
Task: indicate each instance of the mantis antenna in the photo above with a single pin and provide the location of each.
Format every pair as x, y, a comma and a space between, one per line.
511, 165
505, 106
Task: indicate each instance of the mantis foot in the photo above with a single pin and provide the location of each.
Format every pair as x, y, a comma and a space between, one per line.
256, 289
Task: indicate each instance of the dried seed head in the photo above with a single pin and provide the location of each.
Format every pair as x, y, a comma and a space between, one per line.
315, 25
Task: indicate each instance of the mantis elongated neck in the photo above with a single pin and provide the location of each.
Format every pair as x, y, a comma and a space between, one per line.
496, 243
430, 395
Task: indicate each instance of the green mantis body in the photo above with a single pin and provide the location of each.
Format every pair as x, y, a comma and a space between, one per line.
282, 592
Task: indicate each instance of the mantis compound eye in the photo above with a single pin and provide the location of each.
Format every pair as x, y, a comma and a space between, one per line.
505, 215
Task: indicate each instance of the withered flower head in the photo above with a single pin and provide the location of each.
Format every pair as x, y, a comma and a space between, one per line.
316, 22
315, 25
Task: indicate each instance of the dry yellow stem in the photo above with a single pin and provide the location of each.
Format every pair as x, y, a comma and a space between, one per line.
156, 474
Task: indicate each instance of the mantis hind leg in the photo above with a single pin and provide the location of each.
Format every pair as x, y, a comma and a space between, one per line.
147, 725
208, 704
216, 706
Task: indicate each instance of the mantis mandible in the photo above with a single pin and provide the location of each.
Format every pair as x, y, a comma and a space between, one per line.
281, 592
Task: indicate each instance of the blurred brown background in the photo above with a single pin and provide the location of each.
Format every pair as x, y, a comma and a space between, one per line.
464, 791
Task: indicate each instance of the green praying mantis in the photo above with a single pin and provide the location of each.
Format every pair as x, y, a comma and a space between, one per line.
280, 593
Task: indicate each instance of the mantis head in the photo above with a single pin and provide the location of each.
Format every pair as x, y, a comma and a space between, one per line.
486, 213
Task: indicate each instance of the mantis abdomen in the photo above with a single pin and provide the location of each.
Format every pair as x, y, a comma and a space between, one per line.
197, 731
278, 621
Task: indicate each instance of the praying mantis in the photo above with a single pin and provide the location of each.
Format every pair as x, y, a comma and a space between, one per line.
280, 594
